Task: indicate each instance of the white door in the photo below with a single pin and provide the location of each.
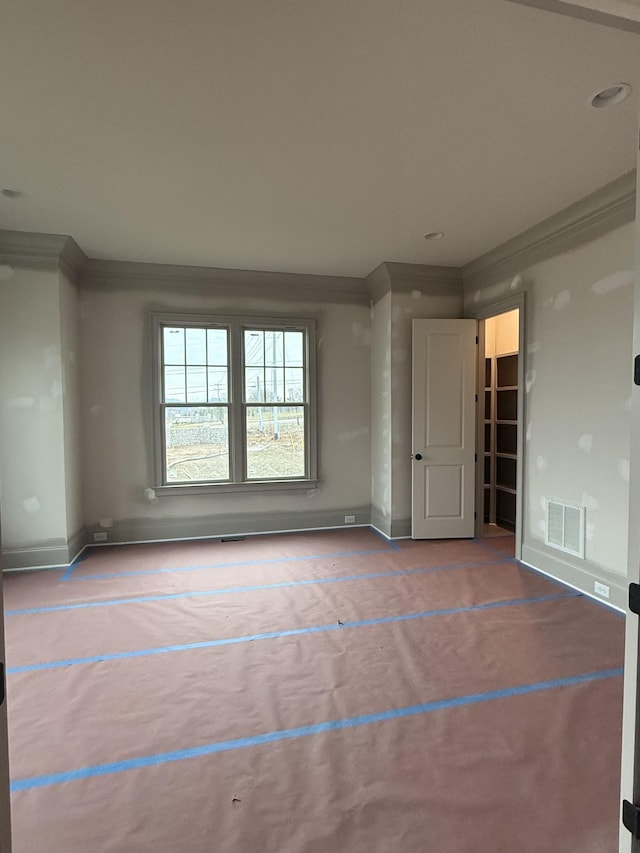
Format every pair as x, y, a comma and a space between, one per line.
5, 822
444, 354
631, 714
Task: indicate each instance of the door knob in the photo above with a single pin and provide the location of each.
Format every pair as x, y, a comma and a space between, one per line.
417, 456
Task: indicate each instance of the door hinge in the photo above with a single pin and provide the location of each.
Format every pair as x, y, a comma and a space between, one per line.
477, 340
631, 818
634, 598
475, 516
636, 370
476, 459
476, 398
2, 683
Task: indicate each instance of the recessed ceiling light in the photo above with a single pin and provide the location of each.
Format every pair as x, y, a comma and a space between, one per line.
611, 95
434, 235
9, 193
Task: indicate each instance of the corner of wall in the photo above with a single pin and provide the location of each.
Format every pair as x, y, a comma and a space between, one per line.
579, 576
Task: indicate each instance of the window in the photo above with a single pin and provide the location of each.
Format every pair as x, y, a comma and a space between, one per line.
234, 403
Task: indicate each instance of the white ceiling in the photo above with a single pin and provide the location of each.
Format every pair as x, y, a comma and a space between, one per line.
303, 136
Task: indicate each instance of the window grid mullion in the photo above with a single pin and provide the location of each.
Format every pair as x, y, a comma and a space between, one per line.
236, 411
206, 364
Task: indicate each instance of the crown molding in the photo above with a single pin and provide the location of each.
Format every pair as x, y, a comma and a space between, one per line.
430, 279
34, 250
72, 261
224, 282
393, 277
617, 19
378, 283
602, 211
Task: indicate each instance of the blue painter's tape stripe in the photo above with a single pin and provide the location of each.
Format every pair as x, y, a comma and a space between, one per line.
73, 566
54, 608
98, 770
339, 554
393, 545
295, 632
483, 543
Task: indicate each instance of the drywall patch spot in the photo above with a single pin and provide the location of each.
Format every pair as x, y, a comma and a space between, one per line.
528, 435
50, 357
48, 404
626, 406
496, 290
150, 495
543, 504
321, 342
542, 526
416, 294
6, 272
361, 333
72, 357
535, 347
477, 296
353, 434
562, 300
542, 463
106, 523
56, 389
548, 302
95, 410
31, 505
590, 501
529, 380
516, 282
585, 442
590, 532
623, 278
624, 469
21, 403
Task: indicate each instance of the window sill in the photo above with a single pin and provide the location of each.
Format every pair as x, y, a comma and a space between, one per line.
253, 486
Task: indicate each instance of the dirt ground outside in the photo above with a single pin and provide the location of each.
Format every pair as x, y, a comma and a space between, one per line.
268, 456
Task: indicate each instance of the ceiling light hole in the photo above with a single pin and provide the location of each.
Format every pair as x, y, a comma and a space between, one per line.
611, 95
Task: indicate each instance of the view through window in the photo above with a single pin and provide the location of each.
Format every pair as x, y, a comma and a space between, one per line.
226, 421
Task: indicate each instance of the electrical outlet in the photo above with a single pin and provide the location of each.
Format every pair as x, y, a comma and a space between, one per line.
100, 537
349, 519
601, 589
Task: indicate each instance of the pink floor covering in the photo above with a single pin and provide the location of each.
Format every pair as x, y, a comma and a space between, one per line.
308, 693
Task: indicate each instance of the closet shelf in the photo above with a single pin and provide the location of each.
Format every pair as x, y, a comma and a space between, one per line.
501, 439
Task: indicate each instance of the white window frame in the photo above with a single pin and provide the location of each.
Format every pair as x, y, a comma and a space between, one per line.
236, 326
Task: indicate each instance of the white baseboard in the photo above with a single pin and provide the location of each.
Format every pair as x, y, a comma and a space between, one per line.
577, 577
132, 531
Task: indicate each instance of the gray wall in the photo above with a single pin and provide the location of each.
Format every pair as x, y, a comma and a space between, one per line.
70, 364
32, 458
381, 448
117, 419
578, 366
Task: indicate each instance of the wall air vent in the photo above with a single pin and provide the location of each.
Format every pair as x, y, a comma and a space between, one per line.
565, 527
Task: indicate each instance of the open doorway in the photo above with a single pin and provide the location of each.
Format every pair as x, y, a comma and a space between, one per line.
501, 354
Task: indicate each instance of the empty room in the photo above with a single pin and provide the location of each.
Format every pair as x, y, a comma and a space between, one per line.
317, 426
